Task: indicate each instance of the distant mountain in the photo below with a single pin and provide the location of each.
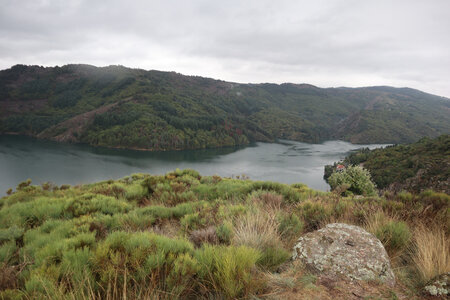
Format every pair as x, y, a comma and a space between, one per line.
131, 108
413, 167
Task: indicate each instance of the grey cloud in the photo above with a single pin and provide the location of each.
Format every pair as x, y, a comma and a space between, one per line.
326, 43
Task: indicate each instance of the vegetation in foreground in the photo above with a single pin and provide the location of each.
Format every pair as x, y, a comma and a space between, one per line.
183, 235
130, 108
413, 167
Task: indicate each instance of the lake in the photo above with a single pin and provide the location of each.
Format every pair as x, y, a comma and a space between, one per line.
286, 161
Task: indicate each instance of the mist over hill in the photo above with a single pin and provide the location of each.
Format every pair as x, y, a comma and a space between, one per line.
120, 107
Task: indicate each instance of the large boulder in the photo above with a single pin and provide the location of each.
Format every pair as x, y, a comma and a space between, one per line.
345, 250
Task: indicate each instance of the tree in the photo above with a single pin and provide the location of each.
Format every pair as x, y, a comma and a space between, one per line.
356, 178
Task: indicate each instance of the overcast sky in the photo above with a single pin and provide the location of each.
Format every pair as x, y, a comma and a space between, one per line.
325, 43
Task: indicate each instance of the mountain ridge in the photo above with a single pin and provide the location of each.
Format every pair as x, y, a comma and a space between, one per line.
159, 110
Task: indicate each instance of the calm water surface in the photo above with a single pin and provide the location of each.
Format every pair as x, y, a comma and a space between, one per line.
285, 161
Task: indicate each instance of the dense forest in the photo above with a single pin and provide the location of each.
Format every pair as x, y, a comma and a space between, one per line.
131, 108
412, 167
187, 236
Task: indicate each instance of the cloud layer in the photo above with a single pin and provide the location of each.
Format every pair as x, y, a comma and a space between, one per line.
322, 42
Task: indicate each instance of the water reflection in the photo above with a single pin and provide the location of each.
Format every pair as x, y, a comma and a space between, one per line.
286, 161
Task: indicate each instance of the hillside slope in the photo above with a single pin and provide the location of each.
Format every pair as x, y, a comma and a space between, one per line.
131, 108
187, 236
413, 167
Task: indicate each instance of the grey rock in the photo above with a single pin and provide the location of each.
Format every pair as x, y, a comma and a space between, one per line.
345, 250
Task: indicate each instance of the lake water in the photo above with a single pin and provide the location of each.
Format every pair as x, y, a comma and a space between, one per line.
285, 161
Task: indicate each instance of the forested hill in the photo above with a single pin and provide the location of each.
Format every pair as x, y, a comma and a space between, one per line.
414, 167
131, 108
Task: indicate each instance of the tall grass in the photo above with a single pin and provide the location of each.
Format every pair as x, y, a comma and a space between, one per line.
395, 235
430, 252
260, 230
256, 230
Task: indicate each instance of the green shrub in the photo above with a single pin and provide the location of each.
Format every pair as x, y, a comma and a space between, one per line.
40, 287
32, 214
162, 212
227, 270
149, 184
135, 221
272, 257
290, 225
7, 251
23, 184
356, 177
139, 255
290, 194
192, 221
231, 211
76, 264
404, 196
91, 203
189, 172
313, 214
181, 278
394, 235
46, 186
12, 295
225, 232
13, 233
64, 187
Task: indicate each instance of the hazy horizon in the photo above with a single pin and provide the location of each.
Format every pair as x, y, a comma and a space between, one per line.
219, 79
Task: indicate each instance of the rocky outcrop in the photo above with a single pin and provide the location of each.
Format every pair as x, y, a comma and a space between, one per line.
342, 250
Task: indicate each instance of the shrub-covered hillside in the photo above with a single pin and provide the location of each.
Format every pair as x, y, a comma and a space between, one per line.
413, 167
130, 108
183, 235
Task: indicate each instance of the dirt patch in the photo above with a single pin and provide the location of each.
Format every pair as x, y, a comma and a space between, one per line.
73, 127
296, 283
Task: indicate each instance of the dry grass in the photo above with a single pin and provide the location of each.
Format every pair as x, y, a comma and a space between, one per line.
394, 234
258, 230
375, 221
346, 216
269, 201
84, 290
431, 252
8, 278
207, 235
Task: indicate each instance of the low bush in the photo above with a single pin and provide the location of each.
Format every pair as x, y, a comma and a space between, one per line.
272, 257
290, 226
228, 270
225, 232
356, 178
395, 236
314, 214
